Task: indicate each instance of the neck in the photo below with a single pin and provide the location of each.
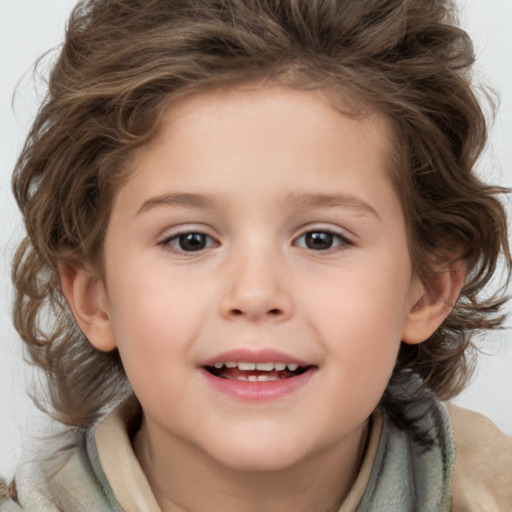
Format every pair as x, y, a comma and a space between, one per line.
184, 480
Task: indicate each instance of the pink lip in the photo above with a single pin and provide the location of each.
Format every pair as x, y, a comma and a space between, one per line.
253, 356
256, 391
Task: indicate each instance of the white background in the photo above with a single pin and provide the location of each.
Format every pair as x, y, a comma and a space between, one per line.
28, 28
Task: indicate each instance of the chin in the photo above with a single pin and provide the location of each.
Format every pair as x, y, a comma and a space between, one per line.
258, 455
255, 463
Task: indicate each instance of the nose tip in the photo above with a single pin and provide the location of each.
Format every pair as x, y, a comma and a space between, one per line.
255, 293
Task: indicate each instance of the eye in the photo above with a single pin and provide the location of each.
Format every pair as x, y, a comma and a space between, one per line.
189, 242
320, 240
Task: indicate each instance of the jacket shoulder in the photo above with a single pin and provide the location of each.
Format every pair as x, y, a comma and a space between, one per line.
65, 481
482, 477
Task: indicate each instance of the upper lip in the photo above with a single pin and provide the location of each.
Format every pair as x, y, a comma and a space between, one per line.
267, 355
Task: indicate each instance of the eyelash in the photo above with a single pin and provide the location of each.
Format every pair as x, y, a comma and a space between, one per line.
341, 244
180, 237
206, 241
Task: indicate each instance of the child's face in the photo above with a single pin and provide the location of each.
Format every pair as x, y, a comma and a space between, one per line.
259, 226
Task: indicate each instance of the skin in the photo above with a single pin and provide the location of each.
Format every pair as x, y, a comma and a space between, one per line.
271, 166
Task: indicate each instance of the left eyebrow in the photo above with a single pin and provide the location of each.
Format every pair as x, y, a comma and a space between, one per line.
186, 200
331, 201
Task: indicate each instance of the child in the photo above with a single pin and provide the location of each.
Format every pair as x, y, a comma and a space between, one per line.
256, 228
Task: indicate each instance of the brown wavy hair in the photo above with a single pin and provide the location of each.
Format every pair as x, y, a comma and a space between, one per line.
124, 60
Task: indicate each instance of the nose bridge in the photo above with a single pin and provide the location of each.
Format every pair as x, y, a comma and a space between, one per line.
256, 285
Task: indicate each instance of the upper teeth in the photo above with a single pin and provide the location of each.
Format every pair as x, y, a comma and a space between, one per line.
265, 367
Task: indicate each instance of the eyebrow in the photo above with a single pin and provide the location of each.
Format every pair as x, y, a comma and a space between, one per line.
205, 201
187, 200
331, 201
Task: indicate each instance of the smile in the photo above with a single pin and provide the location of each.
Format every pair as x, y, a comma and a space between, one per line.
256, 375
255, 372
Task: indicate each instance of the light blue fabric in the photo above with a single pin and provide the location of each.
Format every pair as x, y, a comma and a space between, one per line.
66, 485
407, 478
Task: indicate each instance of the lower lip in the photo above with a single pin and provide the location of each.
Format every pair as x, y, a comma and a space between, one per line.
258, 391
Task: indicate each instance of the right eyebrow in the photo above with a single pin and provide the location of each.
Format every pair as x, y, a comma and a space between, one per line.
188, 200
332, 201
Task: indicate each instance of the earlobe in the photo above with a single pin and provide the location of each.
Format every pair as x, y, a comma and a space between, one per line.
433, 301
87, 299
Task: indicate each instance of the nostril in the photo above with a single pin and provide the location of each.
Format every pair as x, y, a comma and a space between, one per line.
271, 312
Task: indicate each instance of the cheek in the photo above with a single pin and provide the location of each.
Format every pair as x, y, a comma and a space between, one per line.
154, 324
153, 346
359, 319
361, 304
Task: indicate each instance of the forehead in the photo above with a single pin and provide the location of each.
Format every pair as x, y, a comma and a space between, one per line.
233, 112
262, 150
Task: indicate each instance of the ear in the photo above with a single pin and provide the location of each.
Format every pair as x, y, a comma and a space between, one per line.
433, 301
87, 299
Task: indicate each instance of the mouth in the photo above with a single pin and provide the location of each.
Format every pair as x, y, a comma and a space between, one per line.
248, 371
257, 375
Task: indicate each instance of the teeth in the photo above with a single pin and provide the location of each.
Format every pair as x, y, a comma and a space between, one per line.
256, 378
264, 367
265, 378
246, 366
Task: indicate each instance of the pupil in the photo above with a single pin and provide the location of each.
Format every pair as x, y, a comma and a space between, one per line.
319, 240
192, 242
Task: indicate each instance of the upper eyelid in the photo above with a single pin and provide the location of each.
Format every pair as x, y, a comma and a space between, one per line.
175, 236
344, 239
183, 229
322, 228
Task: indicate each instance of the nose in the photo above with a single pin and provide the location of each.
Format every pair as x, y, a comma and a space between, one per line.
257, 289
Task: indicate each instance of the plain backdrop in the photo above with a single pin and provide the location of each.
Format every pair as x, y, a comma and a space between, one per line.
29, 28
